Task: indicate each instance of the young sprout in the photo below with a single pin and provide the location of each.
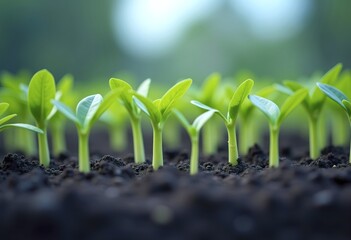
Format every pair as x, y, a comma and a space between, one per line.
193, 131
239, 96
58, 121
41, 91
158, 111
276, 117
340, 98
126, 98
88, 111
3, 107
313, 105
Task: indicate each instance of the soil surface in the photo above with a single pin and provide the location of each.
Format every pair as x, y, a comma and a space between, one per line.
302, 199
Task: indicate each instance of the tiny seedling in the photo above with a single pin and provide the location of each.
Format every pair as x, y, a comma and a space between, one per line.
340, 98
126, 99
313, 104
275, 118
158, 111
239, 96
88, 111
193, 131
41, 91
3, 107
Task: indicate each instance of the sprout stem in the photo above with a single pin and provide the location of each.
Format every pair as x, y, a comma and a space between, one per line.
157, 155
210, 140
139, 152
83, 142
274, 146
313, 132
232, 145
58, 139
44, 157
194, 159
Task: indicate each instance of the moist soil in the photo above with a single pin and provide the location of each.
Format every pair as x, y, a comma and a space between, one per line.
302, 199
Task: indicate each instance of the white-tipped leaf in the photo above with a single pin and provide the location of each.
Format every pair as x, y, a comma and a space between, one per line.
87, 108
144, 87
200, 121
22, 125
333, 93
208, 108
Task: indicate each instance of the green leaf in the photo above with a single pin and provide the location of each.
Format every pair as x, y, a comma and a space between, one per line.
317, 97
40, 93
208, 108
209, 87
182, 119
239, 97
7, 118
65, 85
284, 89
62, 108
148, 107
172, 95
107, 101
22, 125
347, 105
87, 108
202, 119
118, 83
269, 108
333, 93
143, 89
291, 103
126, 94
3, 107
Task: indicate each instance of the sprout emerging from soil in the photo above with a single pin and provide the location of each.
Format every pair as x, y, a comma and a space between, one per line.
275, 118
193, 131
158, 111
313, 105
126, 98
235, 103
340, 98
88, 111
41, 91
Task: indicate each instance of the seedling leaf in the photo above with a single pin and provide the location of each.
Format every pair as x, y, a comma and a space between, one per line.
66, 111
269, 108
87, 108
143, 89
202, 119
3, 107
40, 93
182, 119
333, 93
148, 107
208, 108
22, 125
107, 101
239, 97
291, 103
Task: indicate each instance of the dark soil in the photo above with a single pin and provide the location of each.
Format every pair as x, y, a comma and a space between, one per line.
302, 199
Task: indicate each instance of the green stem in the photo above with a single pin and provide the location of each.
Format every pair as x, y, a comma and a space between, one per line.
209, 139
232, 145
339, 131
274, 146
84, 161
313, 134
139, 152
58, 139
118, 138
194, 159
157, 155
44, 155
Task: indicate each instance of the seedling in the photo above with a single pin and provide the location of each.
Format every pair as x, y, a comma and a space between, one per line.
88, 111
126, 98
193, 131
41, 91
313, 105
3, 107
340, 98
275, 118
158, 111
235, 103
58, 121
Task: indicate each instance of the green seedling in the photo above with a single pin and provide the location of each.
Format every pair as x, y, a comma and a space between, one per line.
58, 121
41, 91
193, 131
275, 118
126, 99
313, 104
340, 98
3, 107
239, 96
158, 112
88, 111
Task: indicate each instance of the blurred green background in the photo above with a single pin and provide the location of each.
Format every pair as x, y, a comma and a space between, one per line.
167, 40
